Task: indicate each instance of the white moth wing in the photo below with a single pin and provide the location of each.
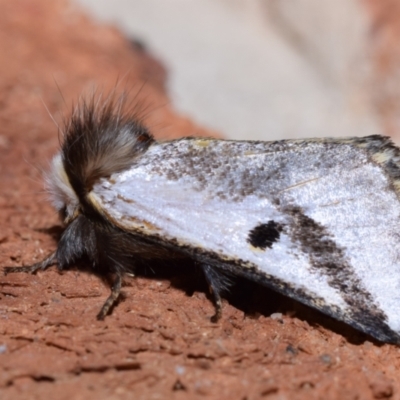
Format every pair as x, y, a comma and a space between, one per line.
334, 202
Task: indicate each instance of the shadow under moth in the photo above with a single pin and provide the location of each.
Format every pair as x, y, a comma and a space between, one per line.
316, 219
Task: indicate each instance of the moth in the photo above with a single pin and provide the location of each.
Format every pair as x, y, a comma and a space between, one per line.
316, 219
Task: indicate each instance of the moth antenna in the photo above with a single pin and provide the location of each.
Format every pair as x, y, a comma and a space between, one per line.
138, 105
123, 78
136, 96
59, 91
149, 109
49, 113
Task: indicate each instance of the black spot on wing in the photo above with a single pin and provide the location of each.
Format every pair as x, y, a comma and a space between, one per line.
265, 235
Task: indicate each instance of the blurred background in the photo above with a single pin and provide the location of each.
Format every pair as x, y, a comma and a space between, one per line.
272, 69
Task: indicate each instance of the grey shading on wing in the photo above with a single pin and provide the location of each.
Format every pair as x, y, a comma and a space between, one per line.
318, 220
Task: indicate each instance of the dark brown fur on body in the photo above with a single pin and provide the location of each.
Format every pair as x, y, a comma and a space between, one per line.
100, 141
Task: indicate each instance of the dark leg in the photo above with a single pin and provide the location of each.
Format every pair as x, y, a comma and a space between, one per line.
217, 282
115, 291
42, 265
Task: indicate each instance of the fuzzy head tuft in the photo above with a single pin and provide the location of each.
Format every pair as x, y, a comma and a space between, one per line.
99, 140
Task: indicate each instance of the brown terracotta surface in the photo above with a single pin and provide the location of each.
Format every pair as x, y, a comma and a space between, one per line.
158, 343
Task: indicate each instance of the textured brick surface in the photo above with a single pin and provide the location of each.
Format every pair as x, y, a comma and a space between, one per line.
158, 342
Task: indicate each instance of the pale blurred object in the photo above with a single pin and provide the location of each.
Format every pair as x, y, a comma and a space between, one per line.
259, 69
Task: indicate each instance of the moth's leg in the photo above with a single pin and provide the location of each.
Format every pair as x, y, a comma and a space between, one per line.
215, 286
115, 291
42, 265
